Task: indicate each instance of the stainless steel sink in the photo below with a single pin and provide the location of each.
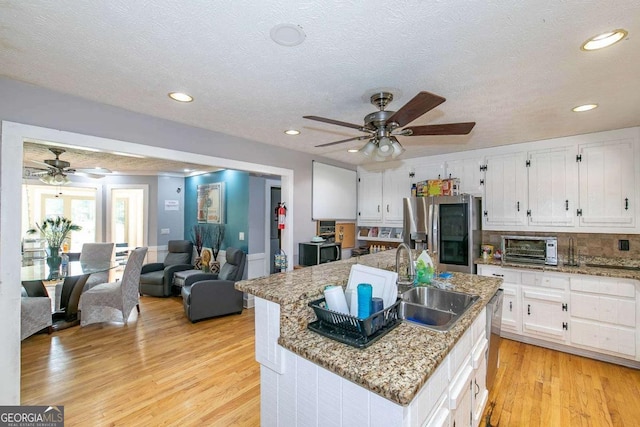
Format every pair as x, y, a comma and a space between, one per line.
433, 308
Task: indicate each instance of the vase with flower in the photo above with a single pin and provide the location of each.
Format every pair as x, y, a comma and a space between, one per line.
54, 231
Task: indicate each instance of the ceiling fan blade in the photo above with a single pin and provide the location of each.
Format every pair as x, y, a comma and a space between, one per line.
445, 129
344, 140
87, 174
99, 171
39, 163
333, 122
420, 104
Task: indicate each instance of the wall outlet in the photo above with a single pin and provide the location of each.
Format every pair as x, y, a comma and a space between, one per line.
623, 245
241, 235
165, 230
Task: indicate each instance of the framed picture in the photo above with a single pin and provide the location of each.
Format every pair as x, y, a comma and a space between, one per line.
211, 203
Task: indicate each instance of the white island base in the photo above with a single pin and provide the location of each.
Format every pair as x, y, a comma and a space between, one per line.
297, 392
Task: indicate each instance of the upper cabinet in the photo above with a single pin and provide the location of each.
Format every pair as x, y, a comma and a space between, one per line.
581, 187
607, 184
470, 172
369, 197
552, 187
505, 199
380, 196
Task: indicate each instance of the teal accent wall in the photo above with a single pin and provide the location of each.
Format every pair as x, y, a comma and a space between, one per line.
236, 189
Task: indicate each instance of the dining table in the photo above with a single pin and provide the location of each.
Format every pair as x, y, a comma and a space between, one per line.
72, 276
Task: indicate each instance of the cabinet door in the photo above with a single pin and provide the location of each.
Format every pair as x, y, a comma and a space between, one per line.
468, 170
511, 317
396, 186
607, 184
543, 314
369, 197
552, 187
427, 170
504, 202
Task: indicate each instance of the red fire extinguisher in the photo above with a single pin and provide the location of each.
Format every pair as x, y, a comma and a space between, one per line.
282, 213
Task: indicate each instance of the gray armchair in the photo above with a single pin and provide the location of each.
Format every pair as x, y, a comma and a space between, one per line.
156, 278
208, 295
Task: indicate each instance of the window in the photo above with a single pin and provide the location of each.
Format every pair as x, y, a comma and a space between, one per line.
76, 203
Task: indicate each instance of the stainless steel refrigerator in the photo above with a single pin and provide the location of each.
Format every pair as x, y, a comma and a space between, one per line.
448, 226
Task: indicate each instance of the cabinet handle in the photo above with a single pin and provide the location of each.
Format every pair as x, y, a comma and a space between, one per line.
378, 208
626, 203
518, 205
566, 205
529, 309
510, 305
387, 208
477, 389
565, 307
497, 275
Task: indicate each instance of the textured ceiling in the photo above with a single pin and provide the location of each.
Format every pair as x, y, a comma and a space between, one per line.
515, 68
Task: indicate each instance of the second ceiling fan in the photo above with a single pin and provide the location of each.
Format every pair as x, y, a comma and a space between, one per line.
383, 126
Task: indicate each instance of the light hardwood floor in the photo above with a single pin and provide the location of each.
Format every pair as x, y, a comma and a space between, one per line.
535, 386
159, 370
164, 370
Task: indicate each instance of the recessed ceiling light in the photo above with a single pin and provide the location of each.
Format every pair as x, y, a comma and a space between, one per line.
287, 34
585, 107
180, 96
352, 150
292, 132
604, 40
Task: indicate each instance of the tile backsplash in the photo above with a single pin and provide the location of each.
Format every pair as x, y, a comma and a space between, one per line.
586, 244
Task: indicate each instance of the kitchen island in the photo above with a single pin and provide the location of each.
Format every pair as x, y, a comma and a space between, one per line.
409, 376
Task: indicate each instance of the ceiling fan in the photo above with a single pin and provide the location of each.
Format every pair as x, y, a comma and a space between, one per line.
383, 126
57, 170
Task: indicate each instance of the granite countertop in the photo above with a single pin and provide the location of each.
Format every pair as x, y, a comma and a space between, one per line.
398, 364
615, 267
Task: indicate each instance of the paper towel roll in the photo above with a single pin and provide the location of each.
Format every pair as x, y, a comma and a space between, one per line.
335, 299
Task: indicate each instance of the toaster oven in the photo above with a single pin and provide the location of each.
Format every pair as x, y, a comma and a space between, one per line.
530, 250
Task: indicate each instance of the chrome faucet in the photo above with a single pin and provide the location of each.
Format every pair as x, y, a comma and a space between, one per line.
411, 270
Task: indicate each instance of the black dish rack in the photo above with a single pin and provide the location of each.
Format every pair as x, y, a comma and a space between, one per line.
349, 329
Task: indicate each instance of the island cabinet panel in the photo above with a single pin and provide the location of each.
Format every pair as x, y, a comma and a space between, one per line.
267, 324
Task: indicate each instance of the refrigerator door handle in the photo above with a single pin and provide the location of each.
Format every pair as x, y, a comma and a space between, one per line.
434, 230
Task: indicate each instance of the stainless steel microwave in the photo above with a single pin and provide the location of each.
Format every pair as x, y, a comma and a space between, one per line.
318, 253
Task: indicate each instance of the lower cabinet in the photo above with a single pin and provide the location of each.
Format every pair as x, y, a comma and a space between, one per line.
544, 313
589, 315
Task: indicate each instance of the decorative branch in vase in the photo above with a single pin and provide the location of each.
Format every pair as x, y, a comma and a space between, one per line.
216, 245
55, 231
200, 236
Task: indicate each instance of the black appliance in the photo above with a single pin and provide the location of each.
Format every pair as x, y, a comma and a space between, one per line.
318, 253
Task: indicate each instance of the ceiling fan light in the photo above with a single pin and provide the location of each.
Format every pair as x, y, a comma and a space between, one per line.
368, 148
59, 179
47, 179
397, 148
385, 148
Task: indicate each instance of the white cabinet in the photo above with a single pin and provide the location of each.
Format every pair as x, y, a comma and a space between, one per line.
505, 198
428, 170
607, 184
603, 315
369, 197
469, 172
599, 315
544, 314
380, 196
396, 185
511, 303
552, 187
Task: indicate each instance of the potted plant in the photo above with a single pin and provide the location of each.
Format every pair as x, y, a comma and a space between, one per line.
216, 244
55, 231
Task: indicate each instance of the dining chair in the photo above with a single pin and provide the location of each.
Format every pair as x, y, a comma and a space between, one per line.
97, 253
113, 302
